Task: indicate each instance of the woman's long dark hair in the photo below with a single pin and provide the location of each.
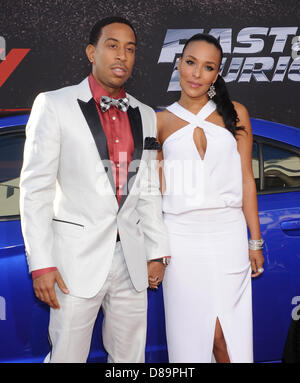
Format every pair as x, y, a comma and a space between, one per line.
223, 102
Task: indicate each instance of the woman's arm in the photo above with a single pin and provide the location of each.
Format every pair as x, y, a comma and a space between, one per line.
244, 143
160, 157
156, 270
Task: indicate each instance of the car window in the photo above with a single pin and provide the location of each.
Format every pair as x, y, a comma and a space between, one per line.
281, 168
11, 158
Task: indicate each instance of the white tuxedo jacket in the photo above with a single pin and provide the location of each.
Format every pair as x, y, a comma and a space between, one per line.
69, 210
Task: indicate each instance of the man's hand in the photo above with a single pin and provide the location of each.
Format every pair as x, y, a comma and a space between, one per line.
44, 288
156, 271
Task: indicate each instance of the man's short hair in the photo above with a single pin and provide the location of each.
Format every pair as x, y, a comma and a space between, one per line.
97, 28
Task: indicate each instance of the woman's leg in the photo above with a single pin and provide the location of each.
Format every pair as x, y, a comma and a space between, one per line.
220, 348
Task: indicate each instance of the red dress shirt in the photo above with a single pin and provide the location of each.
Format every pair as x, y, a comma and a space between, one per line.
120, 143
118, 133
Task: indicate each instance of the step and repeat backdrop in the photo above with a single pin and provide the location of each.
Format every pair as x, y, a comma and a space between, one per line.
42, 47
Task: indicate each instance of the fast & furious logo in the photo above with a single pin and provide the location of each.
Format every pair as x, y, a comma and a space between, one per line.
248, 58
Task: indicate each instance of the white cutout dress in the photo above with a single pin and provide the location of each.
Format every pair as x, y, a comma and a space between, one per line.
209, 276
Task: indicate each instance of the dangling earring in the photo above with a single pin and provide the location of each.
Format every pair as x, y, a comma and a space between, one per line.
211, 91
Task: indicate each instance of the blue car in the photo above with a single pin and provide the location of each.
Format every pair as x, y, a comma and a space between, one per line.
276, 165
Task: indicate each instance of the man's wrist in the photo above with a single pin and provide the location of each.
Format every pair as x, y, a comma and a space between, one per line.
40, 272
163, 260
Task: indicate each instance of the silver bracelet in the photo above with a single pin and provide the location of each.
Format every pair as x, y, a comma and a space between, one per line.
256, 244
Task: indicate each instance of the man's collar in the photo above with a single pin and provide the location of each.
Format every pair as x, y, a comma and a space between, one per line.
98, 91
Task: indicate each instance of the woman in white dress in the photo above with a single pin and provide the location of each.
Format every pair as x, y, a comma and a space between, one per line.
209, 198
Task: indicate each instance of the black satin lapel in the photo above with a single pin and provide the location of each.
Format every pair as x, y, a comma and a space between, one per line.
135, 120
91, 115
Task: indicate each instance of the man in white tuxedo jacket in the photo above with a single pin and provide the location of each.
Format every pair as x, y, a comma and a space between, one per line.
90, 204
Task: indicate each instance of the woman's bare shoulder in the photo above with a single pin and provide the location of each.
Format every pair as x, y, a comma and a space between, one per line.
163, 117
243, 120
241, 110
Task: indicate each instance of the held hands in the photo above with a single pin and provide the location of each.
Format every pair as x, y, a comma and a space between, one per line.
44, 288
156, 271
257, 262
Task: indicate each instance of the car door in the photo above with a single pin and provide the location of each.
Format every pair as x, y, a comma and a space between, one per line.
15, 284
276, 169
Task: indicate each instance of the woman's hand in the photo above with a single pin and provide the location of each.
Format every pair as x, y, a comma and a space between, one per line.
257, 262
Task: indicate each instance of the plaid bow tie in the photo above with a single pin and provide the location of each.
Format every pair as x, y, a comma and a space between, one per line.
121, 103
